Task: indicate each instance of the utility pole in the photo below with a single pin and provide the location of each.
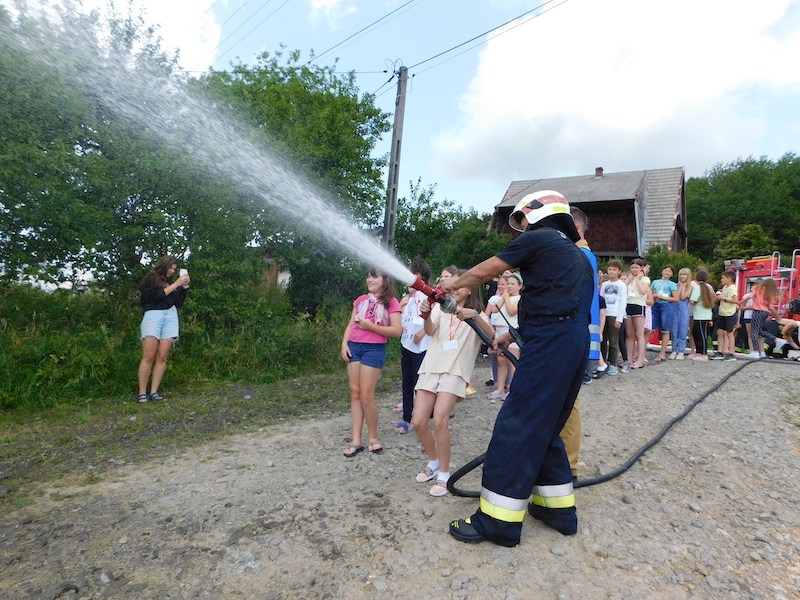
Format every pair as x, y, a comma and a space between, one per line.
390, 218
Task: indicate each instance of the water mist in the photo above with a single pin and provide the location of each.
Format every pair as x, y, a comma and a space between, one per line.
214, 141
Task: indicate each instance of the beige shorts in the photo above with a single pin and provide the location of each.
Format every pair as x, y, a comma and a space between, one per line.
442, 382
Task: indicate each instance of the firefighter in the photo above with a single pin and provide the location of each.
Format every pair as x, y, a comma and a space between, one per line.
526, 466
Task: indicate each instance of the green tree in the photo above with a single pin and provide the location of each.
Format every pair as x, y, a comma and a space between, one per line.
751, 191
746, 242
78, 185
103, 192
317, 119
660, 257
442, 232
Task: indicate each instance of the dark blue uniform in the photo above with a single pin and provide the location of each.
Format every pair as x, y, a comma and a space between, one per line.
526, 463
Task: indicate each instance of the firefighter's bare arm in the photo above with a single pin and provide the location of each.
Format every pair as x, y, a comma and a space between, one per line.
480, 273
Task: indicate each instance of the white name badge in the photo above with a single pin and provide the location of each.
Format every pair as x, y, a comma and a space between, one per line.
450, 345
418, 321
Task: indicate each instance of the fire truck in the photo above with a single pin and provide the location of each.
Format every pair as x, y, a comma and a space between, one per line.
763, 267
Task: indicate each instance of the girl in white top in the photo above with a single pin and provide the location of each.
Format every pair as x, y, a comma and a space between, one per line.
638, 286
414, 342
509, 307
443, 377
495, 319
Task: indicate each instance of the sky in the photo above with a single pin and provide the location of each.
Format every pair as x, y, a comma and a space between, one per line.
578, 84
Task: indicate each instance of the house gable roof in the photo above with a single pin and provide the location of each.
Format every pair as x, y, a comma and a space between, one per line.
581, 188
658, 194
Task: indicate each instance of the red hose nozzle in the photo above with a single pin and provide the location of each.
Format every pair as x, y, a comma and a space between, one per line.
436, 295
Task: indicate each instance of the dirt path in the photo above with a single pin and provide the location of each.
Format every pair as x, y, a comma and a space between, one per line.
713, 511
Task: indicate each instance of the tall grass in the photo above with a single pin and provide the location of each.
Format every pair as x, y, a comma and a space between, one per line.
80, 348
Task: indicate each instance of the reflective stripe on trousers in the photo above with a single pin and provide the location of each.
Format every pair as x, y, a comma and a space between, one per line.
554, 496
594, 341
503, 508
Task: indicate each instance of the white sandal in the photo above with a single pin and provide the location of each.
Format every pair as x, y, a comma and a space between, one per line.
440, 489
426, 475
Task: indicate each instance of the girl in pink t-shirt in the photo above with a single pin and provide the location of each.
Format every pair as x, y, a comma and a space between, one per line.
375, 317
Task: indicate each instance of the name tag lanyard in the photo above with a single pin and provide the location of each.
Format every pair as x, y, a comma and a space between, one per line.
452, 344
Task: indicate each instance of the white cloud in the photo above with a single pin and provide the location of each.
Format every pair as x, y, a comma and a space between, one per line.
627, 85
187, 25
332, 11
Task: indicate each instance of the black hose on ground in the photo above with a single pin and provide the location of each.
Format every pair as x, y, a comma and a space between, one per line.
478, 461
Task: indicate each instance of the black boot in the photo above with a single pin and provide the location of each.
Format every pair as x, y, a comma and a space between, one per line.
563, 520
463, 531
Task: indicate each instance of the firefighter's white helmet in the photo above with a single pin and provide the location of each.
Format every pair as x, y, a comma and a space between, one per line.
542, 204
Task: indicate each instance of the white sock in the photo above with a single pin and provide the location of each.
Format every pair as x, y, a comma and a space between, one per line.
433, 465
443, 476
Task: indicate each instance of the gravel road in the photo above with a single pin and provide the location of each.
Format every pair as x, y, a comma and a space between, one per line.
711, 512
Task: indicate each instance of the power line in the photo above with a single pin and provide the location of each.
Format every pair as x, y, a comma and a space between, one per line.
236, 12
227, 37
388, 81
359, 31
204, 14
487, 39
334, 72
267, 18
486, 33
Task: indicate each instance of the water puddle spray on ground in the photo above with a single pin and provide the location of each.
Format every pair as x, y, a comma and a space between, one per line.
190, 126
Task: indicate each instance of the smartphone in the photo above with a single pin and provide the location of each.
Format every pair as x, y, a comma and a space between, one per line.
184, 272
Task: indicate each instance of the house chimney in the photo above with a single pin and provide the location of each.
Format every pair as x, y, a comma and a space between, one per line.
598, 172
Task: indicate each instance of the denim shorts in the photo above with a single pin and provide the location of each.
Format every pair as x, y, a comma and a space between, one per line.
160, 324
369, 355
662, 316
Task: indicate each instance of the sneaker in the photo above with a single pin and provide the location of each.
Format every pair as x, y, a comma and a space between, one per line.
626, 367
754, 356
681, 356
714, 355
729, 357
587, 378
612, 370
673, 356
490, 383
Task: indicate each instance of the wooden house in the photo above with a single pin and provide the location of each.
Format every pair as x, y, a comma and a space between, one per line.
628, 212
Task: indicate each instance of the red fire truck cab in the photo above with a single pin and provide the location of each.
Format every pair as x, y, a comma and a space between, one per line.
763, 267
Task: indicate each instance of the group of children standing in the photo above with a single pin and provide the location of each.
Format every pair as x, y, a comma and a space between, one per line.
635, 304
